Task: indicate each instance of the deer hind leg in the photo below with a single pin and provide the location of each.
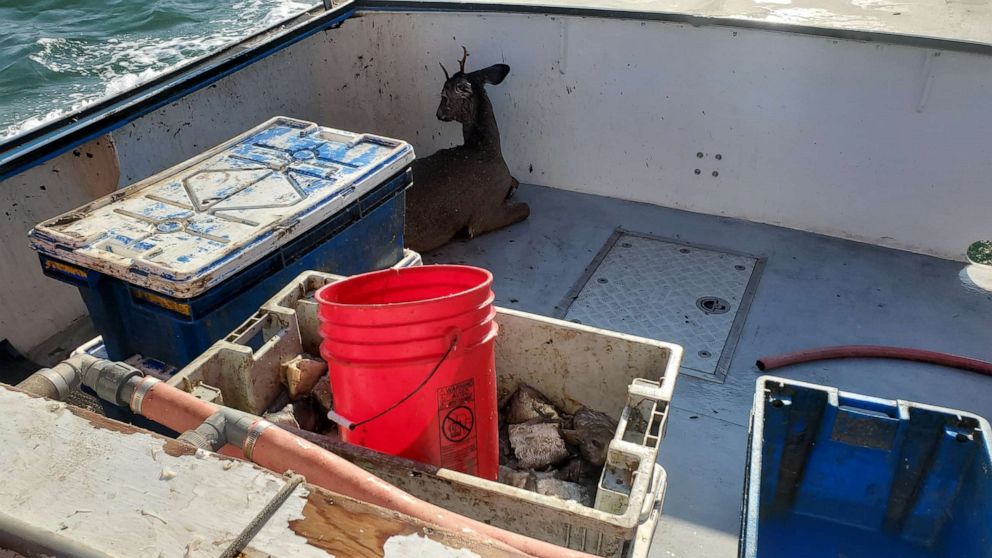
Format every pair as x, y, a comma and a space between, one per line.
504, 215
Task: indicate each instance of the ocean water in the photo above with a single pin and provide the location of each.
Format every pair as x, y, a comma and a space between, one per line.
59, 55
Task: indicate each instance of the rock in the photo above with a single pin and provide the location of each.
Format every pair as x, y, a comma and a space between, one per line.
564, 490
523, 479
537, 446
591, 432
298, 414
506, 456
301, 374
306, 415
578, 470
280, 401
512, 477
322, 394
527, 404
285, 416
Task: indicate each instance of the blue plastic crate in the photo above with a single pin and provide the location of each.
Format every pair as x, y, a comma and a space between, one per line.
169, 265
154, 367
834, 474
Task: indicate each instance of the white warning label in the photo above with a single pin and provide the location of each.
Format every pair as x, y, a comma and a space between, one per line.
456, 421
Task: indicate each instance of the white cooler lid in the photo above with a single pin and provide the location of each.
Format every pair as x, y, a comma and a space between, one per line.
188, 228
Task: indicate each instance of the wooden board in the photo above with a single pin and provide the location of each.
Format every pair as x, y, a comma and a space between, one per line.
122, 491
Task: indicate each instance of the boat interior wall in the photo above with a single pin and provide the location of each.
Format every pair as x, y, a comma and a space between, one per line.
879, 143
283, 84
35, 307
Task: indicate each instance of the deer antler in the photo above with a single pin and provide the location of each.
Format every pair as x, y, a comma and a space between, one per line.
445, 70
461, 63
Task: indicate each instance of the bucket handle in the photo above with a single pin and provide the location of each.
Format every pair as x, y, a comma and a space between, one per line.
342, 421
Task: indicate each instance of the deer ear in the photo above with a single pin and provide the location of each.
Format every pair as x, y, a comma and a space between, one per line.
493, 75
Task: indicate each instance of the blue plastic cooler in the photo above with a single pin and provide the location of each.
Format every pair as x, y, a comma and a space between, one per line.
171, 264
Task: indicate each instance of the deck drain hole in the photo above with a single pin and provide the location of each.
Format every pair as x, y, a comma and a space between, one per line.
712, 305
705, 354
602, 280
684, 250
627, 245
739, 267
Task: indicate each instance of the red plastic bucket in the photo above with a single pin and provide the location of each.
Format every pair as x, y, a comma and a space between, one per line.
410, 354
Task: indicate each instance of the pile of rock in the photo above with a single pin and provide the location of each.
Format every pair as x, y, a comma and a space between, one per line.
307, 397
547, 451
541, 448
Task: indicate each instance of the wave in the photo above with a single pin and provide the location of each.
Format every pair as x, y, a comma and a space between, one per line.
96, 69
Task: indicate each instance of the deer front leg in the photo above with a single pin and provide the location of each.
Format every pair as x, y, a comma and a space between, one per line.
513, 187
503, 216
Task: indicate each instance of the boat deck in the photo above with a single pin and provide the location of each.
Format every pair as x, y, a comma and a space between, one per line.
814, 291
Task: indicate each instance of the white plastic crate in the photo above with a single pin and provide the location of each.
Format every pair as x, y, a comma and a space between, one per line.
630, 378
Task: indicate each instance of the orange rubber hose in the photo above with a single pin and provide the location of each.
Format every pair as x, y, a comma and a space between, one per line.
279, 451
875, 351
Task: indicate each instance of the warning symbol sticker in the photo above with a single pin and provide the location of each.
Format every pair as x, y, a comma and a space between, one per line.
456, 422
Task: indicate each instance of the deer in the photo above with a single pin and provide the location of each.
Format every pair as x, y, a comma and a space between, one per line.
463, 190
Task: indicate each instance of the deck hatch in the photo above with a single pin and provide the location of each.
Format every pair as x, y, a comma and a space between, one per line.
694, 296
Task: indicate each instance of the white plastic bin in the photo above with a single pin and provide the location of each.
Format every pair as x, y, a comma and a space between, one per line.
630, 378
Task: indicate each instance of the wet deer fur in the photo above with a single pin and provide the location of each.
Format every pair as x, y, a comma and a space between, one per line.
463, 190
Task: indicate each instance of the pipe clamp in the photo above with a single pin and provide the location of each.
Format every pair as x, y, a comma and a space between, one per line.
140, 391
254, 433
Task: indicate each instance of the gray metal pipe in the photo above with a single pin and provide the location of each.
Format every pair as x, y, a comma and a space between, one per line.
110, 380
211, 434
58, 381
124, 386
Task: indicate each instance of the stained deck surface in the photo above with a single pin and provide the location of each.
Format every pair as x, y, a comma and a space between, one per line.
814, 291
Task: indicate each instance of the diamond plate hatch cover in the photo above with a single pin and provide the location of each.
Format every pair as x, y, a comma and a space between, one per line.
192, 226
672, 292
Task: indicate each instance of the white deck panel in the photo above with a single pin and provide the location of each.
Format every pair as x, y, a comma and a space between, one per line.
78, 484
125, 496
